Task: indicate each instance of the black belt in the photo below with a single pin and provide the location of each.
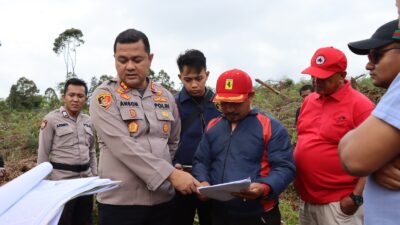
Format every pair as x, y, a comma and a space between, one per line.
73, 168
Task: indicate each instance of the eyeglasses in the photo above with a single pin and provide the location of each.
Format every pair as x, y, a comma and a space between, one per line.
376, 55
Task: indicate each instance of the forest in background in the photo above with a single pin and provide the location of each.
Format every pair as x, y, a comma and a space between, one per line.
22, 111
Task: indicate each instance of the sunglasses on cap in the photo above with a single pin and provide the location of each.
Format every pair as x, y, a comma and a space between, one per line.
375, 56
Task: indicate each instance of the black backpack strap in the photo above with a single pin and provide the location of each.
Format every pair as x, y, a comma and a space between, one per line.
208, 96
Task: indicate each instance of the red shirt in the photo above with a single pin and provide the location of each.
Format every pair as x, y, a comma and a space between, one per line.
323, 121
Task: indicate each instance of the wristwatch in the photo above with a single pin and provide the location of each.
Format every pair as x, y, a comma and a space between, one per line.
357, 199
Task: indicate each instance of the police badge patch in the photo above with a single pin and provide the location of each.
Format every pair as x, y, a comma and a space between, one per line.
133, 113
165, 128
104, 100
43, 125
133, 127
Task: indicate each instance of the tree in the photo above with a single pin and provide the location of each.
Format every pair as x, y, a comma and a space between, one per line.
51, 98
66, 43
61, 85
24, 95
163, 78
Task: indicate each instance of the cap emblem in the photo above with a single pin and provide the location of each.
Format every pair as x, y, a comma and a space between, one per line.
228, 84
320, 60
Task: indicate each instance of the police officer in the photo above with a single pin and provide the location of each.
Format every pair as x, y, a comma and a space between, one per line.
66, 141
138, 127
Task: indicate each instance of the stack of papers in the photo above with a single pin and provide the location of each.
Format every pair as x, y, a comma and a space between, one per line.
222, 192
29, 199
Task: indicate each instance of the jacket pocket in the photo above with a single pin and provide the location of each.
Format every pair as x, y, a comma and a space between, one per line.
134, 120
61, 131
165, 119
65, 137
335, 128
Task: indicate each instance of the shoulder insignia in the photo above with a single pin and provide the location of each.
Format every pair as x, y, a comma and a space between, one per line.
104, 100
113, 80
154, 89
152, 86
43, 125
159, 92
65, 114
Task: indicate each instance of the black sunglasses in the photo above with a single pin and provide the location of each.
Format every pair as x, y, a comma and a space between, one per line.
376, 55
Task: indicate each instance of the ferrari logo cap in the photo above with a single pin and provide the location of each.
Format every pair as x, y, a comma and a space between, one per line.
233, 86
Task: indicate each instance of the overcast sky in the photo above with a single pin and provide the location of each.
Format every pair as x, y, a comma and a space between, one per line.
269, 39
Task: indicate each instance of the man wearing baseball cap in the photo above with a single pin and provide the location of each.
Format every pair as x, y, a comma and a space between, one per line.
330, 196
375, 145
243, 143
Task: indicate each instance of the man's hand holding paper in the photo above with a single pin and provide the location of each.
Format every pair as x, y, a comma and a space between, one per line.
256, 190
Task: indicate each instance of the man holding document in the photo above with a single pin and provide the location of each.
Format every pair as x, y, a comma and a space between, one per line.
243, 143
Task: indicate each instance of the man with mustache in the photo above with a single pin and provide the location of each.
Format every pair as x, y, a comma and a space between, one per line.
138, 126
66, 141
330, 196
242, 143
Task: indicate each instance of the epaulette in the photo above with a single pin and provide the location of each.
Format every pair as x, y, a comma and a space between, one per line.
156, 88
111, 81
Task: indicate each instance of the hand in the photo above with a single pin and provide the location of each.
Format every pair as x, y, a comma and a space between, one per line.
256, 190
389, 175
200, 196
347, 206
183, 182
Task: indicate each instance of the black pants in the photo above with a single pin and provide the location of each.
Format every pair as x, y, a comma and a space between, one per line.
77, 211
272, 217
135, 214
185, 210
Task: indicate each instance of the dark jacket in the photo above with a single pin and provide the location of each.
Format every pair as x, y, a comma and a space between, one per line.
195, 117
258, 148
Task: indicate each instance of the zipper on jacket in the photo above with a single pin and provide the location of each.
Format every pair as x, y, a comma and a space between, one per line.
227, 152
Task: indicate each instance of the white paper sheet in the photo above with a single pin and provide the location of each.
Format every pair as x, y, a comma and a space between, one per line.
14, 190
44, 201
222, 192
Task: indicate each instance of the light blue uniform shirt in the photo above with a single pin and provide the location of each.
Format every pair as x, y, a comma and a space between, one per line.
381, 204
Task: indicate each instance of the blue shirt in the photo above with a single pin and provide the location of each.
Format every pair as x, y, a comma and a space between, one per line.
203, 110
388, 109
381, 204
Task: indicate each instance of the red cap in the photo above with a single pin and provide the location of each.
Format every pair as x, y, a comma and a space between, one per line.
233, 86
326, 62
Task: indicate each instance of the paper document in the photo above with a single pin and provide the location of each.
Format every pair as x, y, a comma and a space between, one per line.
222, 192
17, 188
28, 199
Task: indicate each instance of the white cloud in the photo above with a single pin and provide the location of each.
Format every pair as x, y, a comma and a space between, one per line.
267, 39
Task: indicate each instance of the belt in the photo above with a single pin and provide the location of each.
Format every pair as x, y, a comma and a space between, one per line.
73, 168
